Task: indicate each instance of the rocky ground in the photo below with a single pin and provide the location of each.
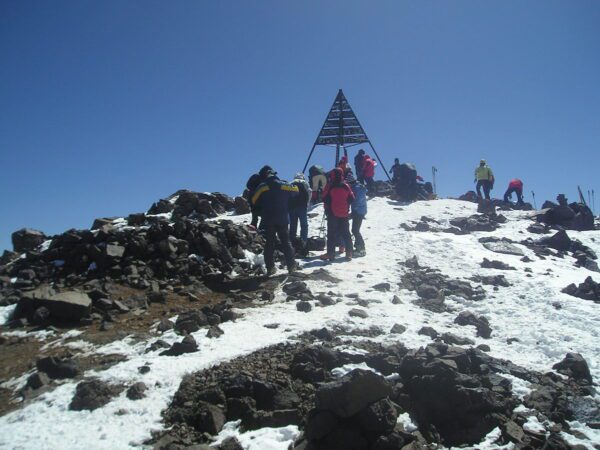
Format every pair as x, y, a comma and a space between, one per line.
463, 326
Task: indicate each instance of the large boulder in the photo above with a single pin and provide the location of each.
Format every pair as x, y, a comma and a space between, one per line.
352, 393
559, 241
576, 367
70, 306
241, 206
93, 394
27, 239
57, 368
479, 322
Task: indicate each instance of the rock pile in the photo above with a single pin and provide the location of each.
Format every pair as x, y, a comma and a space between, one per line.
432, 287
354, 412
588, 290
66, 278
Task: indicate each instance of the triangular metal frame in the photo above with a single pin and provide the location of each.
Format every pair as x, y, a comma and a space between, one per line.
342, 129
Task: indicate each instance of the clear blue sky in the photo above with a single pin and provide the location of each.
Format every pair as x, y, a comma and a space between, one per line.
107, 106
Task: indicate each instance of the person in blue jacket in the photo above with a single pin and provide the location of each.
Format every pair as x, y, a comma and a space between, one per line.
272, 197
359, 211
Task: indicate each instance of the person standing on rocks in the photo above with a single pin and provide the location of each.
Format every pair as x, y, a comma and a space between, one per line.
515, 186
359, 161
484, 177
337, 198
369, 171
273, 197
299, 211
251, 186
359, 211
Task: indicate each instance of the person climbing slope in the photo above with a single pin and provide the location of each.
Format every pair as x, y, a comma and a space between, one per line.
337, 198
515, 186
251, 186
272, 197
484, 177
299, 210
359, 211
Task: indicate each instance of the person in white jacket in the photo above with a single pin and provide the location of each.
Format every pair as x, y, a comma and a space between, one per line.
299, 209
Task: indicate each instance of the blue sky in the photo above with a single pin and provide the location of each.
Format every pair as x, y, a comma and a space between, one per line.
105, 107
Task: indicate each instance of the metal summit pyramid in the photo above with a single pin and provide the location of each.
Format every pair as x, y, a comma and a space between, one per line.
341, 129
341, 126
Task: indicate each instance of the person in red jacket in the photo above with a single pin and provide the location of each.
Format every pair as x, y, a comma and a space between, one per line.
369, 170
337, 198
515, 186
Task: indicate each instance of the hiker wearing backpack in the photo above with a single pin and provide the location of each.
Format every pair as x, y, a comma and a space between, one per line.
484, 177
369, 171
359, 211
273, 198
251, 186
515, 186
299, 210
406, 182
359, 161
337, 198
317, 181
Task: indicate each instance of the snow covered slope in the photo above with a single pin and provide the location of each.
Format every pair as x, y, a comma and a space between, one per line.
523, 310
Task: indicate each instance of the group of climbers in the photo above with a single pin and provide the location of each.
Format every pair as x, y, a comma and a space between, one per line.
484, 178
281, 206
345, 199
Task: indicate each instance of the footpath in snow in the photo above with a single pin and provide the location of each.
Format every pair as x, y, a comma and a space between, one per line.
525, 310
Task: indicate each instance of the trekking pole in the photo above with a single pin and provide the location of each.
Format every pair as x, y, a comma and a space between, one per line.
322, 228
589, 197
593, 202
533, 196
433, 172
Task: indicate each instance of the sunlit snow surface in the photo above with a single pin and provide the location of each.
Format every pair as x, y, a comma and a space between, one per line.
523, 310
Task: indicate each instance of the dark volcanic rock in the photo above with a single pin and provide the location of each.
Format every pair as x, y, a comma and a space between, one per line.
588, 290
190, 321
37, 380
187, 345
137, 391
57, 368
574, 366
492, 264
210, 418
481, 323
352, 393
27, 239
69, 306
379, 417
445, 392
93, 394
355, 312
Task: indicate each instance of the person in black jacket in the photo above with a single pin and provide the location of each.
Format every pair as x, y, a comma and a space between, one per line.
251, 186
359, 160
273, 197
299, 210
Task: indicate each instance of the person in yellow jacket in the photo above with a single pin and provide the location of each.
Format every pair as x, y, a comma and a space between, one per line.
484, 177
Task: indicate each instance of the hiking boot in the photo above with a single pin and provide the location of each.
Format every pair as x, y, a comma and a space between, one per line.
271, 271
326, 257
293, 268
349, 255
359, 253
